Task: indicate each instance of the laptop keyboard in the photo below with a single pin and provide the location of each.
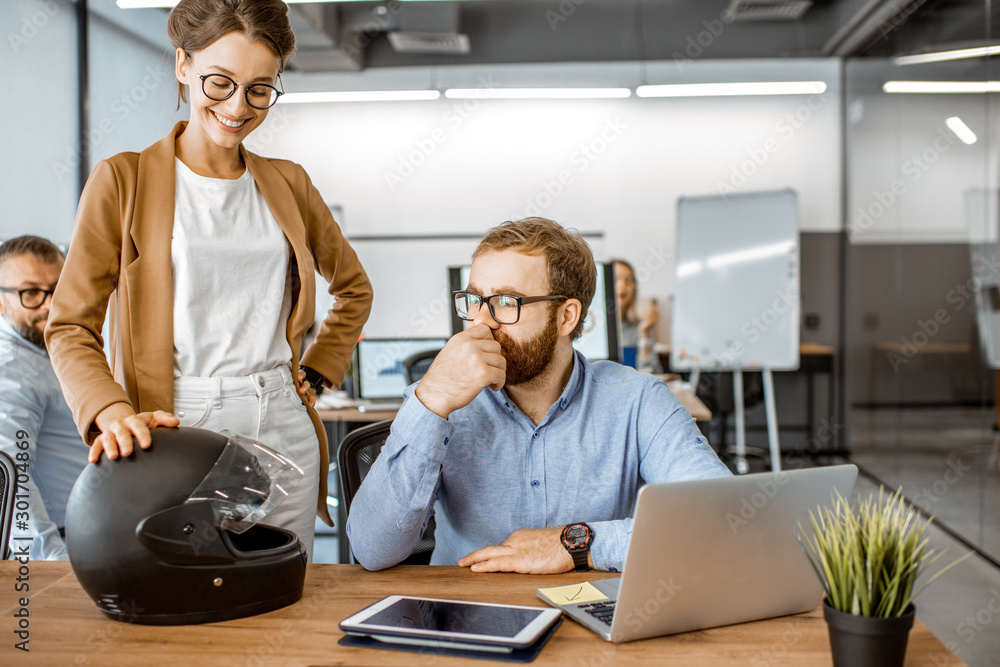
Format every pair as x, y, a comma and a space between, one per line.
602, 611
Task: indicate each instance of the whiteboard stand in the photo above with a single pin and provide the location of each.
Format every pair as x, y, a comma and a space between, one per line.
772, 419
742, 467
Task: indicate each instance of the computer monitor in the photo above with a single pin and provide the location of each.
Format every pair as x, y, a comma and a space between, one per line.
378, 364
601, 337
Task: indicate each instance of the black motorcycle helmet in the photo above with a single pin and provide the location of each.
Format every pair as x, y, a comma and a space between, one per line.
168, 535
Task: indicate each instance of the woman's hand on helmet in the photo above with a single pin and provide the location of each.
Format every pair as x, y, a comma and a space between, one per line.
119, 424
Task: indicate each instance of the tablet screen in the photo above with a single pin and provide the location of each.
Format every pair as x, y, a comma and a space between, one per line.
452, 617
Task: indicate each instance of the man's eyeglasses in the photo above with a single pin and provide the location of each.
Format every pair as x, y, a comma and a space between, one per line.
31, 298
505, 308
220, 87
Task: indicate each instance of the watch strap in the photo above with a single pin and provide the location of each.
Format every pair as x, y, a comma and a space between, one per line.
580, 561
313, 377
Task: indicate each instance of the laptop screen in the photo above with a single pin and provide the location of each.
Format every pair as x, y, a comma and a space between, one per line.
378, 367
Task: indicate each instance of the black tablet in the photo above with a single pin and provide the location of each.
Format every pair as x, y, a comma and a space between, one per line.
482, 626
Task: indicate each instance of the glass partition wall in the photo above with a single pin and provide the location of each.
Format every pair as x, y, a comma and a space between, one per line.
921, 332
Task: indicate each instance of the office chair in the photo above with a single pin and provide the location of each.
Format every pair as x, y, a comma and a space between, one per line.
415, 365
8, 479
355, 456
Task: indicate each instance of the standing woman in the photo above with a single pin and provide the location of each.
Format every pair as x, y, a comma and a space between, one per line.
637, 334
207, 254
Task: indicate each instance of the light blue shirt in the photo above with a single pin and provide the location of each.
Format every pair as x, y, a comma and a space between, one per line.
32, 401
487, 470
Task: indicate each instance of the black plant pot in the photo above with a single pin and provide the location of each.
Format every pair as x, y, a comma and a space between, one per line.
868, 641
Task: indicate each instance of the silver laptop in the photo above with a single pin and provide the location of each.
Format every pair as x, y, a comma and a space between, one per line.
710, 552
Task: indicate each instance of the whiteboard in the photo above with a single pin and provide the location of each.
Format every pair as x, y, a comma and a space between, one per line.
736, 303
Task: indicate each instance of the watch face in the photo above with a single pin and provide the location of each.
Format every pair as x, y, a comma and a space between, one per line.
576, 535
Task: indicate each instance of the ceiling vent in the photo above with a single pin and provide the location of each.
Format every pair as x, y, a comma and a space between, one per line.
765, 10
430, 42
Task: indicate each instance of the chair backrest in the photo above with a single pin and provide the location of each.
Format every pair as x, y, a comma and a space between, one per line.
355, 456
8, 479
415, 365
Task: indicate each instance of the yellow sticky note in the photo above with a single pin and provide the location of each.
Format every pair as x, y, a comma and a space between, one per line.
573, 594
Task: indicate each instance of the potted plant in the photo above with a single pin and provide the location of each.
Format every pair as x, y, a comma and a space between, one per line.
868, 561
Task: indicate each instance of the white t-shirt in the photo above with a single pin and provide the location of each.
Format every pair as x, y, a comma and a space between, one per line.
229, 266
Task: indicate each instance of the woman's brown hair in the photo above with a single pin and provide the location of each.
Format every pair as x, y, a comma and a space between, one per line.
196, 24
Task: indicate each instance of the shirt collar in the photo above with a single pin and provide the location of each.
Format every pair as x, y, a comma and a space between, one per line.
575, 379
9, 331
569, 391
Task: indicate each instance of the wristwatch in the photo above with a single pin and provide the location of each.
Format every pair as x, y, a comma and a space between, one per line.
577, 538
314, 377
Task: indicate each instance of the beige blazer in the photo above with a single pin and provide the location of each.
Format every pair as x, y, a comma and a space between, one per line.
120, 258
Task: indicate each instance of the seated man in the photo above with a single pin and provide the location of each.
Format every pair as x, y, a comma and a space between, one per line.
32, 407
512, 435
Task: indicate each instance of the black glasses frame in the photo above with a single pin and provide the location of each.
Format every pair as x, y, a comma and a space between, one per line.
46, 293
488, 300
236, 85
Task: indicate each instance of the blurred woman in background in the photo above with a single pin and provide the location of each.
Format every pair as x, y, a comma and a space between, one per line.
638, 333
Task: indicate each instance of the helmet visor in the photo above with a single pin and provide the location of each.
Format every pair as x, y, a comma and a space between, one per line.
247, 482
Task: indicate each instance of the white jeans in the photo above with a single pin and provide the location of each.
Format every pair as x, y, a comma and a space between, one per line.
266, 407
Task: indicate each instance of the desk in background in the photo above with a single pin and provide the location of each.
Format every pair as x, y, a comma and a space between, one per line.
814, 359
66, 627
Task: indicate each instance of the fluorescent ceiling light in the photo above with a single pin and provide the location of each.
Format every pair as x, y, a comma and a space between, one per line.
750, 254
941, 56
941, 87
961, 130
536, 93
723, 89
360, 96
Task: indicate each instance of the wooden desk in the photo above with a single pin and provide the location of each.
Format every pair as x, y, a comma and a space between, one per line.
355, 415
66, 628
690, 401
687, 398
